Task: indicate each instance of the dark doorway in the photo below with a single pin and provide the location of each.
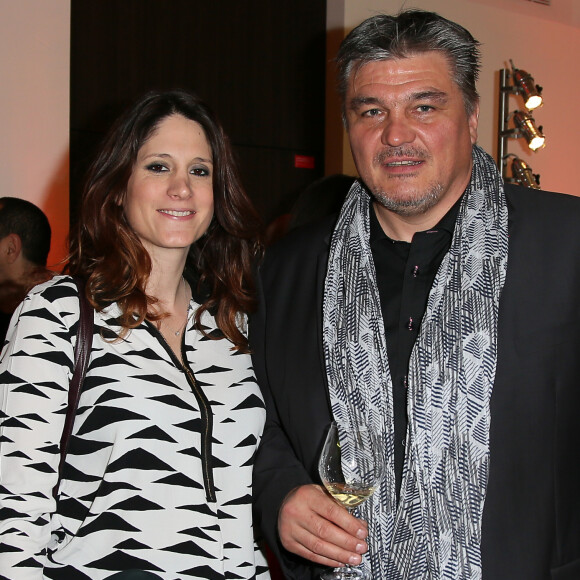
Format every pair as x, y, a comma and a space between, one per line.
259, 63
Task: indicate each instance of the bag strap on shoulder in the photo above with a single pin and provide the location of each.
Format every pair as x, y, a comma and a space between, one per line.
82, 354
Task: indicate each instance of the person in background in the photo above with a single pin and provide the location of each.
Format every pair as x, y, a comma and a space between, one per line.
158, 475
24, 247
321, 198
443, 308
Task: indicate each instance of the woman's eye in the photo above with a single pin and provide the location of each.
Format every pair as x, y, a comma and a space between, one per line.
200, 171
156, 167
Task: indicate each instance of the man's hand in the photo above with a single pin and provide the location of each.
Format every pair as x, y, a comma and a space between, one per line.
312, 525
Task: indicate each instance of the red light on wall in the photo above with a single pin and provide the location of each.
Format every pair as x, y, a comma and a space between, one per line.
304, 161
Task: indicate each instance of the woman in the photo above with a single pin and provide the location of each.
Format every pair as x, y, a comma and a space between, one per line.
158, 472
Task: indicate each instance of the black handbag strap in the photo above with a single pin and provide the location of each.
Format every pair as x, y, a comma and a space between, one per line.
82, 354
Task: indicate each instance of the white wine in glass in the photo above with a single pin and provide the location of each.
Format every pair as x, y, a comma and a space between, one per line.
350, 468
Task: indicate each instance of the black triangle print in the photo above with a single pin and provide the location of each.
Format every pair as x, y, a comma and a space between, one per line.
174, 401
60, 289
155, 379
189, 548
139, 459
240, 500
42, 314
31, 390
58, 358
154, 433
180, 480
249, 441
136, 503
111, 395
108, 487
201, 508
34, 417
106, 521
213, 369
18, 454
147, 353
83, 446
204, 572
103, 415
197, 533
119, 560
42, 467
131, 544
72, 508
109, 360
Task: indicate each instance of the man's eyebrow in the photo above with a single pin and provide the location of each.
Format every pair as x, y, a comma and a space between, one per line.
357, 102
427, 95
430, 95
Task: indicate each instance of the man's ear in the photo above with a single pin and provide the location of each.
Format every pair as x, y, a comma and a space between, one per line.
473, 121
11, 247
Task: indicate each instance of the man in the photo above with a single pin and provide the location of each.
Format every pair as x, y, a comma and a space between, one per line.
24, 246
444, 309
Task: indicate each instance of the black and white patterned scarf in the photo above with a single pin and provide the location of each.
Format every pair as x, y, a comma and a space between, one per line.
435, 531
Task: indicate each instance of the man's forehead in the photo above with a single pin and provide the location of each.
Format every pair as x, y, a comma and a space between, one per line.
431, 64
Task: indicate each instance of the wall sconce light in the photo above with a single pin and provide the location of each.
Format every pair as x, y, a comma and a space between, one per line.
518, 82
522, 173
524, 85
526, 127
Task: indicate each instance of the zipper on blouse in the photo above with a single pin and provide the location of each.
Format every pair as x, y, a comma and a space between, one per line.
206, 434
204, 409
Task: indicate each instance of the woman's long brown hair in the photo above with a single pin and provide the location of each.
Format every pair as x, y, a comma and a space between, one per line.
109, 256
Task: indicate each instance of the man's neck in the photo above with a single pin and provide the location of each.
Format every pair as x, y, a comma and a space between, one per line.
12, 292
403, 228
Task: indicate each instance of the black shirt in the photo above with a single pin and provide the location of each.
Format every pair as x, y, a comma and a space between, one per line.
405, 274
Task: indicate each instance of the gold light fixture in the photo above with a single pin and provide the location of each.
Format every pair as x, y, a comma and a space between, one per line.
526, 127
525, 86
516, 81
522, 173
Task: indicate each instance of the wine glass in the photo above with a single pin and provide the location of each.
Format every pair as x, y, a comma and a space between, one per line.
350, 468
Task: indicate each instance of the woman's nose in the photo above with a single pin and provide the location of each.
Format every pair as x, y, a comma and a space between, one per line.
180, 187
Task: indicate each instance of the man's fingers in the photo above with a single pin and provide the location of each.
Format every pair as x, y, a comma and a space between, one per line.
315, 527
325, 553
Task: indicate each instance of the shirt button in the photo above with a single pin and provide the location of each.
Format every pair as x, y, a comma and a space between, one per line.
415, 271
410, 324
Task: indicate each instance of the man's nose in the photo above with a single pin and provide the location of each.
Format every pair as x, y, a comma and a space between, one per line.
397, 131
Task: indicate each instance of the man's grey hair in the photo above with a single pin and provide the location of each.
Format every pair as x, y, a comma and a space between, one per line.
411, 32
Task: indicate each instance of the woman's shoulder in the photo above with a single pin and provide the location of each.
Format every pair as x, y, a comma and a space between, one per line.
58, 297
58, 287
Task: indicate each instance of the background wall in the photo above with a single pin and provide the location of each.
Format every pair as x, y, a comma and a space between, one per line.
541, 40
34, 101
34, 108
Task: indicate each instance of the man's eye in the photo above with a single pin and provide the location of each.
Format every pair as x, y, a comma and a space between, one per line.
156, 167
425, 108
372, 113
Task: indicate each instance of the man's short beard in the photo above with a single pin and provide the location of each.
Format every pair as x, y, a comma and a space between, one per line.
412, 204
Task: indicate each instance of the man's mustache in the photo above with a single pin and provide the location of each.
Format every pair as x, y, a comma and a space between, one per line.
390, 152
